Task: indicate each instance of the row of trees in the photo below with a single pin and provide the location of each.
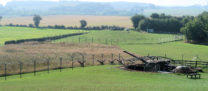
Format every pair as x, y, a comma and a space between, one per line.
194, 28
160, 22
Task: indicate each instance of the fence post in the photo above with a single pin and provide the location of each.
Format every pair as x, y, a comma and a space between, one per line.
83, 59
196, 63
72, 62
182, 59
48, 65
93, 59
79, 39
20, 70
92, 40
119, 56
102, 55
206, 66
5, 71
112, 56
60, 63
34, 68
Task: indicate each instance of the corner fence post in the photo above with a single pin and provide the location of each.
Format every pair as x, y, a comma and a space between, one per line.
20, 70
34, 68
5, 71
60, 63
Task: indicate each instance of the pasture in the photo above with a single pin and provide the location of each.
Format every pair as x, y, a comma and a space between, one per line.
95, 78
67, 20
146, 44
16, 33
102, 78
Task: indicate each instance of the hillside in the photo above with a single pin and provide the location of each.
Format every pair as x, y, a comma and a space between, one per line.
28, 8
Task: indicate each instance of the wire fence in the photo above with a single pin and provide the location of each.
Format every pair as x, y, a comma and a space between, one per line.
117, 41
59, 63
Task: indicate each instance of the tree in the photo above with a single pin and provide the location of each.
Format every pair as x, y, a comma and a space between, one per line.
197, 30
83, 23
155, 15
37, 20
136, 19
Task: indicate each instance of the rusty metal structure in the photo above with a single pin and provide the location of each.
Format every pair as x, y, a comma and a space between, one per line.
150, 63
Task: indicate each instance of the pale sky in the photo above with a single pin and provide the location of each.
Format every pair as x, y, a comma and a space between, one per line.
156, 2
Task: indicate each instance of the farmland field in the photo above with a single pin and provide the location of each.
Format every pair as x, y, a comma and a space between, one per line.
102, 78
15, 33
123, 21
144, 44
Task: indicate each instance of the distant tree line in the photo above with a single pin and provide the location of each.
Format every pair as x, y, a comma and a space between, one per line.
195, 29
160, 23
102, 27
83, 25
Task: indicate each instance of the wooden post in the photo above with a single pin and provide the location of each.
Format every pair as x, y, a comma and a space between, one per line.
72, 62
20, 70
48, 61
5, 71
93, 60
206, 66
112, 56
182, 60
34, 68
60, 63
83, 59
79, 39
196, 63
92, 40
119, 57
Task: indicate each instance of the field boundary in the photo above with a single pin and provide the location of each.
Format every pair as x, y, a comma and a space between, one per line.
42, 39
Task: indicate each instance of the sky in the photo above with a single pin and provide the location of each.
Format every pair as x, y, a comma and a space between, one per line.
156, 2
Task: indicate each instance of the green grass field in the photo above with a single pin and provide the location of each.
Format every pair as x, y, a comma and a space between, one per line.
144, 44
102, 78
110, 78
15, 33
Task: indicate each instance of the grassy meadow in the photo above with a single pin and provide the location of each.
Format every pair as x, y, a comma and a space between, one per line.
70, 20
15, 33
102, 78
144, 43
